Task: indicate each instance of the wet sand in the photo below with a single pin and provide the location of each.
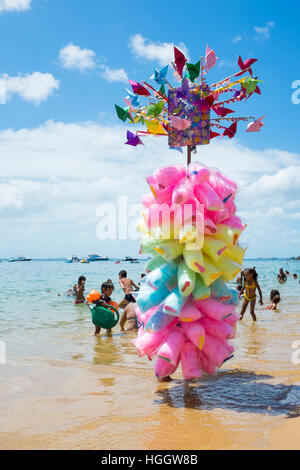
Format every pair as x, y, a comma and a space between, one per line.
115, 402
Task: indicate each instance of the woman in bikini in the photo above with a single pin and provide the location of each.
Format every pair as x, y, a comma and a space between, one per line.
79, 290
249, 291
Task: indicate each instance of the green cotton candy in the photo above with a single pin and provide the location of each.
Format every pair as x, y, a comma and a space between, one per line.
156, 262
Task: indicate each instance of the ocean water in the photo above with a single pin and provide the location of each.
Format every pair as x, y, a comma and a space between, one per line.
51, 354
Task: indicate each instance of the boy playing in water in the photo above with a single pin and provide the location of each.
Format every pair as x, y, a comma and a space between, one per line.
79, 290
127, 286
275, 299
129, 316
250, 286
107, 289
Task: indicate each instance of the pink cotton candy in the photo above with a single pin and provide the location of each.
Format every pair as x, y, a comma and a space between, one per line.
235, 222
170, 175
148, 343
189, 312
171, 348
198, 173
195, 332
207, 196
207, 366
221, 330
214, 309
231, 319
190, 362
222, 185
163, 368
182, 192
216, 350
148, 200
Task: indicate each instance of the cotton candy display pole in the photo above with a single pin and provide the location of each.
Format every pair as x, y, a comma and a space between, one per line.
185, 308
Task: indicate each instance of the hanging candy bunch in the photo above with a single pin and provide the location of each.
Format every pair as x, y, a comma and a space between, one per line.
185, 309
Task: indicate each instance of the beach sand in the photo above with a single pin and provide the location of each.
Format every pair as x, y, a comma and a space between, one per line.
253, 403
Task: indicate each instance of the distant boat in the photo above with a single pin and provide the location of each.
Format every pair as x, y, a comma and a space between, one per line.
129, 258
72, 259
94, 257
19, 258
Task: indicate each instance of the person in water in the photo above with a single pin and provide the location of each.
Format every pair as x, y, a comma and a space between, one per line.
249, 291
127, 285
79, 290
281, 276
129, 317
275, 299
107, 289
241, 277
295, 276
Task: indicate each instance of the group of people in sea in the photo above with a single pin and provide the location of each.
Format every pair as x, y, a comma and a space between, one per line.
128, 320
247, 287
283, 276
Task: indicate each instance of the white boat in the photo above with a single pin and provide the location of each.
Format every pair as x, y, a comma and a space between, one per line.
94, 257
72, 259
19, 258
129, 258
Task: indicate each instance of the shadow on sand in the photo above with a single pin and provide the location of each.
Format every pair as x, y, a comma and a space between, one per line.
241, 391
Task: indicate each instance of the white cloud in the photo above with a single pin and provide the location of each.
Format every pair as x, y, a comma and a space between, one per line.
74, 58
14, 5
162, 52
35, 87
54, 177
263, 32
113, 75
237, 38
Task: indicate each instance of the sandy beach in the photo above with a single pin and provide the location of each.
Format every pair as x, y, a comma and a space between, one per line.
116, 403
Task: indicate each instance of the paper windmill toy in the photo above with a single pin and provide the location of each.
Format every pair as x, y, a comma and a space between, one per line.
192, 112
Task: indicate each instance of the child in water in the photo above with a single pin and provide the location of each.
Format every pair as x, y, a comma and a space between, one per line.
129, 317
79, 290
249, 291
275, 299
107, 289
127, 286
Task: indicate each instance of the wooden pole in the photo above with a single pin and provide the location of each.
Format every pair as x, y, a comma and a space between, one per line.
189, 155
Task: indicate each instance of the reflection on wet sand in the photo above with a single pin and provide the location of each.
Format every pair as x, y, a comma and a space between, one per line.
102, 396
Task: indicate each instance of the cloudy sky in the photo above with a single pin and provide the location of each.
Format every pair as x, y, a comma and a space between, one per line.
63, 66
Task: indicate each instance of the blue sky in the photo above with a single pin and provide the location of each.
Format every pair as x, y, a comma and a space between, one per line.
64, 66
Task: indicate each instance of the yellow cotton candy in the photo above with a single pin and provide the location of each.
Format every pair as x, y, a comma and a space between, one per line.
230, 268
227, 234
236, 253
194, 260
169, 251
214, 248
212, 271
187, 234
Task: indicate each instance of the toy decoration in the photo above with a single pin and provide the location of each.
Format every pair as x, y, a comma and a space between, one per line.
189, 224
